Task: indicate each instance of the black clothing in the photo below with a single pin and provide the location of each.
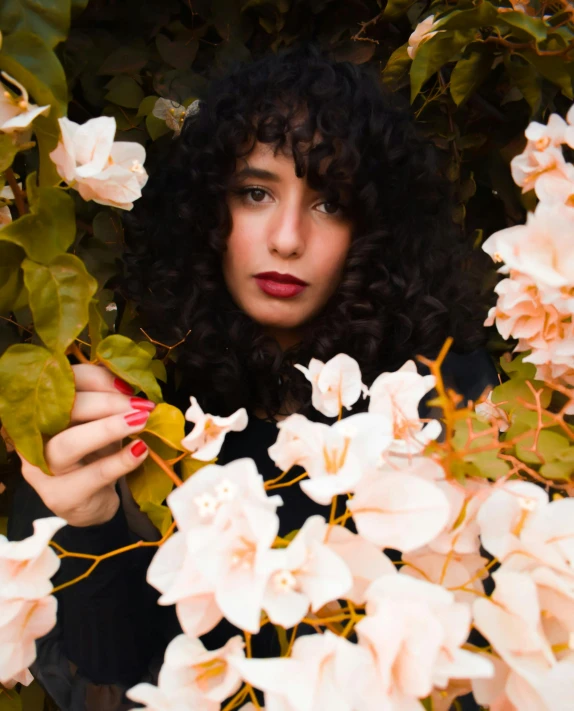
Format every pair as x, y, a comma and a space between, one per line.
110, 633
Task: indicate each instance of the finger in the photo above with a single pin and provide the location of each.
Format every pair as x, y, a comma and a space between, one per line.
67, 448
108, 470
90, 376
33, 475
95, 405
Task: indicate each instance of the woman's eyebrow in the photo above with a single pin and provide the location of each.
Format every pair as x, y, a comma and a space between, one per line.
259, 173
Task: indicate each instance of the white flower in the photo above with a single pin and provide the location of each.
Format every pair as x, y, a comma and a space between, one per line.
16, 112
103, 171
336, 384
207, 437
422, 32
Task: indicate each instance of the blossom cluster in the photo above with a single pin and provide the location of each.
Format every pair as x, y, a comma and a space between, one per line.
27, 610
536, 299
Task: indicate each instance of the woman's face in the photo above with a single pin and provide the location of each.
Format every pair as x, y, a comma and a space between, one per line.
281, 225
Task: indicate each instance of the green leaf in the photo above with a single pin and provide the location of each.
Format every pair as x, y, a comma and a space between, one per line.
25, 57
167, 423
48, 230
97, 327
397, 66
159, 515
60, 294
432, 54
526, 371
49, 19
526, 78
149, 482
178, 53
548, 446
8, 150
33, 697
11, 280
146, 106
485, 463
530, 26
555, 69
189, 466
36, 397
10, 700
156, 127
470, 71
481, 15
396, 8
47, 130
125, 60
124, 91
131, 363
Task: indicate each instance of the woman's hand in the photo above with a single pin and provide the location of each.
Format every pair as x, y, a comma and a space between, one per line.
87, 459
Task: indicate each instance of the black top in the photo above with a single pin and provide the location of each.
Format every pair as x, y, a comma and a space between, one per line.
110, 632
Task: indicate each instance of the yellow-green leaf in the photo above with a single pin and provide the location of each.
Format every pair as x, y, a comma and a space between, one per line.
432, 54
484, 13
526, 78
168, 424
553, 68
396, 8
189, 466
159, 515
470, 71
11, 281
50, 20
526, 25
60, 294
48, 230
10, 700
97, 327
36, 397
30, 61
8, 150
131, 363
548, 446
149, 482
397, 66
124, 91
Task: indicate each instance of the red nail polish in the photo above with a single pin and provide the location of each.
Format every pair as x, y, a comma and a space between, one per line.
123, 387
138, 448
136, 418
140, 403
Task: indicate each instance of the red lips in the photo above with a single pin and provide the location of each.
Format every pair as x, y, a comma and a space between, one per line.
281, 278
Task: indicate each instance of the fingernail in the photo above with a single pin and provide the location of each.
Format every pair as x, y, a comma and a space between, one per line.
136, 418
138, 448
140, 403
123, 387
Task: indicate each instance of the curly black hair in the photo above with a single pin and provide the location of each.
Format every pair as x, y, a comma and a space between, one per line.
408, 282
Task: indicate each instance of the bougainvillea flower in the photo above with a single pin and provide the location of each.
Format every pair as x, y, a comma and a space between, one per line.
423, 31
26, 566
529, 620
5, 216
188, 664
336, 383
25, 678
103, 171
16, 112
22, 622
552, 133
207, 437
319, 675
155, 699
335, 457
397, 395
399, 510
414, 631
528, 167
305, 574
542, 248
365, 560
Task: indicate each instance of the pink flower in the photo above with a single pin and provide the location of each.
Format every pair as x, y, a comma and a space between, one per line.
16, 112
22, 622
335, 457
305, 574
397, 395
336, 384
103, 171
207, 437
216, 560
192, 677
317, 676
401, 510
413, 632
26, 566
422, 33
364, 559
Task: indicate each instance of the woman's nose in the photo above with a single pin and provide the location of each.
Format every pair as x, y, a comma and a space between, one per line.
286, 235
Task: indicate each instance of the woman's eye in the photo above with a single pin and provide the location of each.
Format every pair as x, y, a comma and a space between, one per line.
255, 194
333, 208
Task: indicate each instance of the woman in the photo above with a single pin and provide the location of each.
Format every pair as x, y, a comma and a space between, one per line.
297, 215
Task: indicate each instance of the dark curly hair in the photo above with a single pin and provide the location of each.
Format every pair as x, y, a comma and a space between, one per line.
406, 286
